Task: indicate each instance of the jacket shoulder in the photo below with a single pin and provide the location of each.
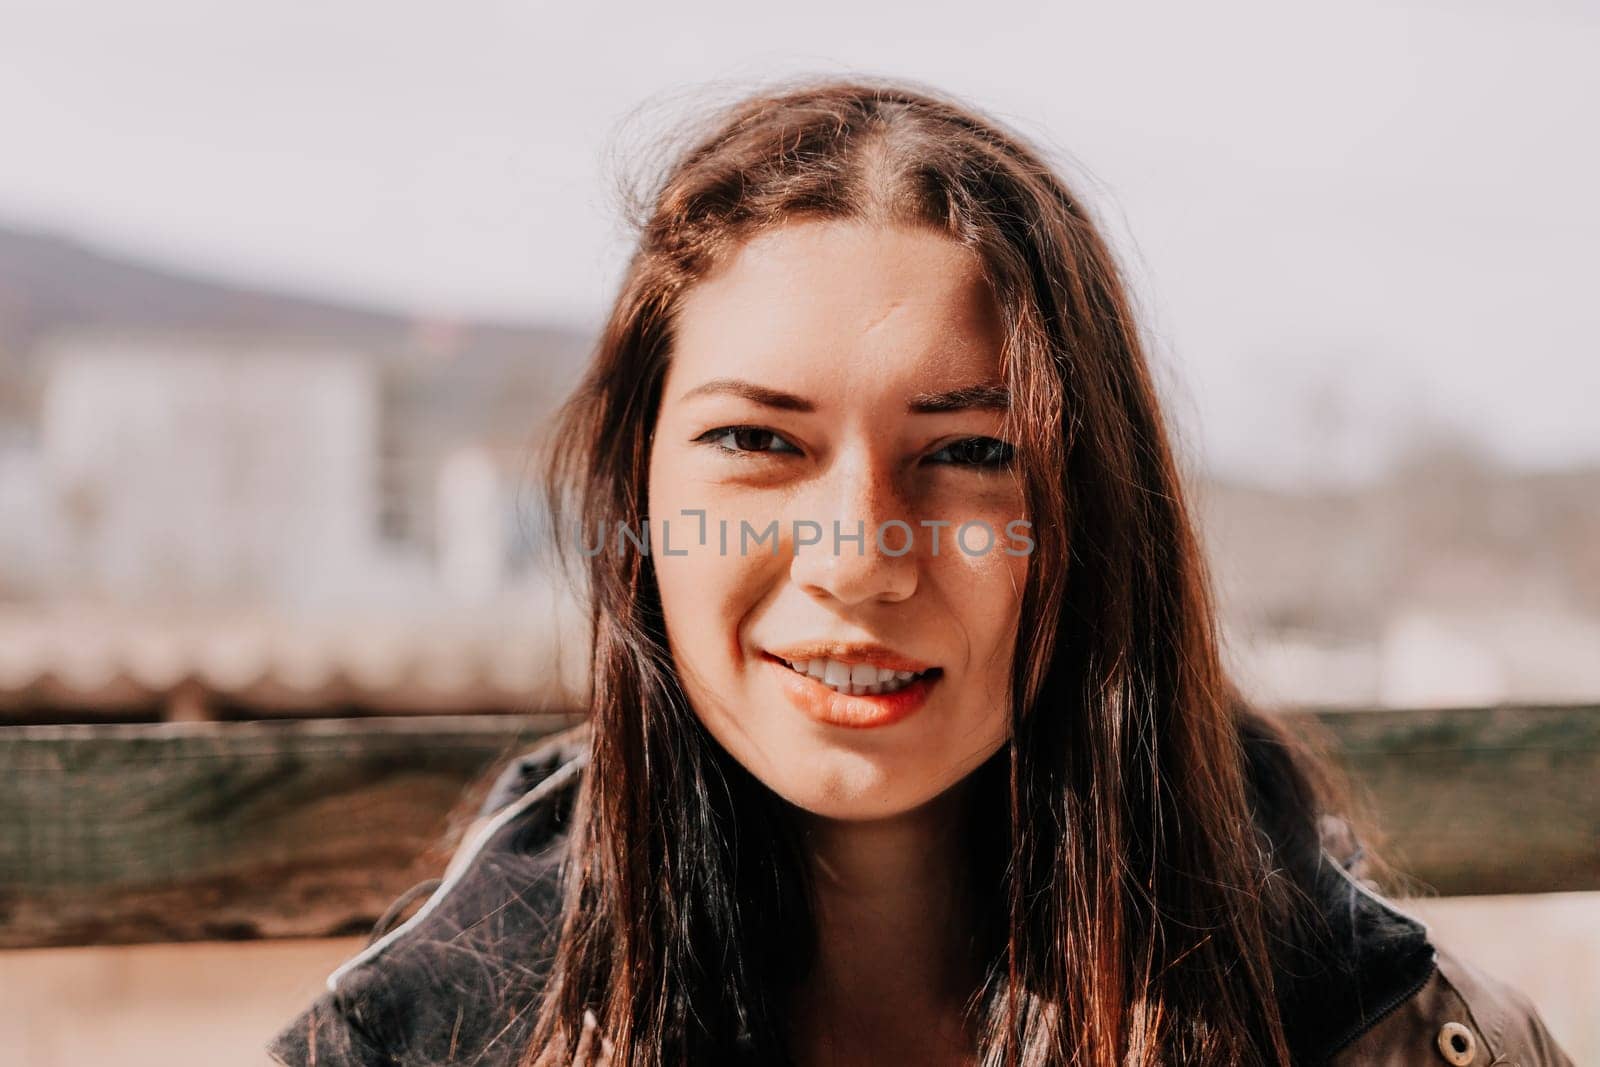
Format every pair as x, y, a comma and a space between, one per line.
1396, 996
1463, 1017
527, 771
440, 987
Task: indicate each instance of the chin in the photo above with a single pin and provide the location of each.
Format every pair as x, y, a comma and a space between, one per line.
834, 783
851, 774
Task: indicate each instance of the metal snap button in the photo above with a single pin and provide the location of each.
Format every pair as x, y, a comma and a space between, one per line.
1457, 1044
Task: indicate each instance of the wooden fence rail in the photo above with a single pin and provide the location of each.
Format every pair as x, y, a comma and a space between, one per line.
197, 831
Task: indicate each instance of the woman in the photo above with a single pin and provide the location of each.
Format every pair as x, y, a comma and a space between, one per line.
909, 740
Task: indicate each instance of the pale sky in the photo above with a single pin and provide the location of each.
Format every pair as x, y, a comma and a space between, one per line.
1390, 204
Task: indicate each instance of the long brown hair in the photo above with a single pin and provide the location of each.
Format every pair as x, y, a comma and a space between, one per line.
1129, 905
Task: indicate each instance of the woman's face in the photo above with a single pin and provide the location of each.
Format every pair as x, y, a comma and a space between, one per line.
840, 376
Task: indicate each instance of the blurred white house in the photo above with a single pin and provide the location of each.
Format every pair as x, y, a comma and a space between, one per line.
186, 468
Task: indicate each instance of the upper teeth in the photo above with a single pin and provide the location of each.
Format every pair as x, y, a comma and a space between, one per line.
853, 679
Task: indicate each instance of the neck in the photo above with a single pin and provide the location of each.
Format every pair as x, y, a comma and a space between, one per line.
894, 923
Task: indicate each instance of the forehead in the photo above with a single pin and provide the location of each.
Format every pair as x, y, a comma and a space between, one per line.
841, 295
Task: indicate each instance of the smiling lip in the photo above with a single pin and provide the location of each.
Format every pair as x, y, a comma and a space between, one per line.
865, 711
851, 652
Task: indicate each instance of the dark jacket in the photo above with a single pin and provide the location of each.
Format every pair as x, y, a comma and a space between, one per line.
458, 982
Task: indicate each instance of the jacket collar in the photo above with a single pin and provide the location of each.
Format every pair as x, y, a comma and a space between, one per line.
1362, 959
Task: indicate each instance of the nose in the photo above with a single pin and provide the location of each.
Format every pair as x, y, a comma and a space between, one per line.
854, 550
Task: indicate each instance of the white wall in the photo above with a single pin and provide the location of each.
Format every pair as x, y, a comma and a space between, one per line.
188, 468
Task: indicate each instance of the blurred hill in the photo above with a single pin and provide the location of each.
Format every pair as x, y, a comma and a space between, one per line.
51, 283
1451, 579
1447, 529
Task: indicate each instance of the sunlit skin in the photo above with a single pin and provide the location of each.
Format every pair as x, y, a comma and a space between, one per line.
854, 322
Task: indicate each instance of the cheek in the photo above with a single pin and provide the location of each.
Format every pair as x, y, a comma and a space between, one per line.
985, 593
696, 598
706, 599
709, 588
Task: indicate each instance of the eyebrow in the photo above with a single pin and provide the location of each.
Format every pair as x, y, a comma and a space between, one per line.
759, 394
988, 397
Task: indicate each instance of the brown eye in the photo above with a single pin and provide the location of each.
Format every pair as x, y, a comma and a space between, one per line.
745, 439
984, 453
